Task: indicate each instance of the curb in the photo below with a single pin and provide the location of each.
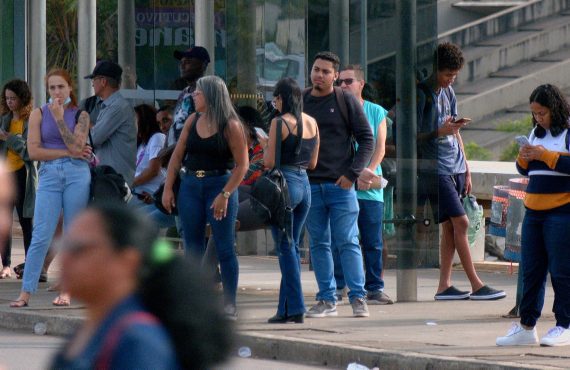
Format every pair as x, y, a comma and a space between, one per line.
57, 325
321, 353
275, 347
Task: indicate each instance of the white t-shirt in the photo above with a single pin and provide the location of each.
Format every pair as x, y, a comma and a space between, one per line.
146, 153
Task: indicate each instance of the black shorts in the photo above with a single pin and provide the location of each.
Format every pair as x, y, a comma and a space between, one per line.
444, 193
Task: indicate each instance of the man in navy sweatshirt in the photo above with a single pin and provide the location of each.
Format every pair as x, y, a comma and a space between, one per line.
334, 208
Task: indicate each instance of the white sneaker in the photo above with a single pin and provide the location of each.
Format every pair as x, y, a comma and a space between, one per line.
557, 336
518, 336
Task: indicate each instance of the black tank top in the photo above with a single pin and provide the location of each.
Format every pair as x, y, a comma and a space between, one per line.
211, 153
288, 146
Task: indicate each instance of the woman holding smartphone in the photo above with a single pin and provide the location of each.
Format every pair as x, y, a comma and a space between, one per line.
57, 138
299, 151
545, 159
15, 107
211, 157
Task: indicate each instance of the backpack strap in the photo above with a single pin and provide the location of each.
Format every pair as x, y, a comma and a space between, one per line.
341, 102
428, 93
113, 337
278, 139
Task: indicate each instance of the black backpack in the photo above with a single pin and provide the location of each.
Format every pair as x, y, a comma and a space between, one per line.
108, 186
270, 194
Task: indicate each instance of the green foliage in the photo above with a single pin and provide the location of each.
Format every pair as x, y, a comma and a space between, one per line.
509, 154
519, 127
61, 35
516, 127
474, 151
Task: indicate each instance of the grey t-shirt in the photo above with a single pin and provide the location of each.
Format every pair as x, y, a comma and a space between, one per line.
115, 136
451, 160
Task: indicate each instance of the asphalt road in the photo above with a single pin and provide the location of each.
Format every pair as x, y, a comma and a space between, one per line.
22, 351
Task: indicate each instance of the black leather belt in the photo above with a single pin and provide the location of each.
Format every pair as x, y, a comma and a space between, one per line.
204, 173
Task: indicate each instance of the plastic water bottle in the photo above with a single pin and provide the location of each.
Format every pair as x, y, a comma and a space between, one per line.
244, 352
40, 328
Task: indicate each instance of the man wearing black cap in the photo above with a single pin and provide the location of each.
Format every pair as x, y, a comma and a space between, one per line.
193, 63
114, 133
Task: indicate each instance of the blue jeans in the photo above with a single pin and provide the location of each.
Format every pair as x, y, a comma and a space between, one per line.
332, 221
63, 184
545, 249
194, 201
291, 300
370, 226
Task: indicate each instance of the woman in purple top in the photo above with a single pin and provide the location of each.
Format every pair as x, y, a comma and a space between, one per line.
57, 139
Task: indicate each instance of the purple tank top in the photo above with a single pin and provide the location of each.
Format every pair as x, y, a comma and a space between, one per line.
51, 138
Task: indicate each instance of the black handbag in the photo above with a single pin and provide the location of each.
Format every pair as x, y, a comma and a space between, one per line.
270, 195
157, 196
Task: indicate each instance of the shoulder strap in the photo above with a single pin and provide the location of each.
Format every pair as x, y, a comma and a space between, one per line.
567, 139
429, 94
77, 115
114, 336
278, 139
341, 101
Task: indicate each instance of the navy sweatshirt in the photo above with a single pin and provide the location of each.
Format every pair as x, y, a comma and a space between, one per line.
336, 154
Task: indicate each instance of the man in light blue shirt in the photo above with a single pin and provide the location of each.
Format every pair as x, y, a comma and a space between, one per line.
114, 134
370, 194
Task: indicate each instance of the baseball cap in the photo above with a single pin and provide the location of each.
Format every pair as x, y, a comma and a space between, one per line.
197, 52
108, 69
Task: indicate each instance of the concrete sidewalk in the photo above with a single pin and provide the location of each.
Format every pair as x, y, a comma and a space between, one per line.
419, 335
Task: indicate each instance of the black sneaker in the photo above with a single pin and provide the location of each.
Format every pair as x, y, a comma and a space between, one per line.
451, 294
486, 293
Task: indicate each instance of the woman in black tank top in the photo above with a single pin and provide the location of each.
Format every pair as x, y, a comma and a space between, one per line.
211, 157
299, 150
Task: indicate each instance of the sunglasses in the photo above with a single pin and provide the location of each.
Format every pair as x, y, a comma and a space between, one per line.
347, 81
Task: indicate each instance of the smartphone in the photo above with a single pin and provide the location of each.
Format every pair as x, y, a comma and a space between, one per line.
261, 133
463, 121
522, 140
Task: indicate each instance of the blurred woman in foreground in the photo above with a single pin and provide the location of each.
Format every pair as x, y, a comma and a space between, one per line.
146, 308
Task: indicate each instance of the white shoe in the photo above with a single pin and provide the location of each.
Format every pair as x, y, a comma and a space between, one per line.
557, 336
518, 336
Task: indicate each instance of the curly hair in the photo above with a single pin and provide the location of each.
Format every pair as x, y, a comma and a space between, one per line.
551, 97
448, 56
22, 91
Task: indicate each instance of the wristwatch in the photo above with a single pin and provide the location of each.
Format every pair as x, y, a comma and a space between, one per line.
226, 194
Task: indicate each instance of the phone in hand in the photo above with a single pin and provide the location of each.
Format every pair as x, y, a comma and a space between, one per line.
462, 121
262, 134
522, 140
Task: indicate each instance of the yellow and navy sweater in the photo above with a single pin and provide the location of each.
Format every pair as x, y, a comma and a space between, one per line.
549, 177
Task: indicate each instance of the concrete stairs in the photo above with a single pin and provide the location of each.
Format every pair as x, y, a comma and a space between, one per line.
501, 71
485, 132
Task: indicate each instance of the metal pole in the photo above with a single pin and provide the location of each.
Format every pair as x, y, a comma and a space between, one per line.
204, 32
126, 41
339, 30
37, 50
406, 150
364, 37
86, 45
